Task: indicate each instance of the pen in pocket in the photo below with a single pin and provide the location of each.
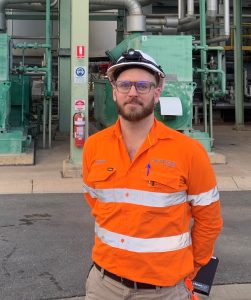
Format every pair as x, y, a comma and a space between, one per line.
148, 166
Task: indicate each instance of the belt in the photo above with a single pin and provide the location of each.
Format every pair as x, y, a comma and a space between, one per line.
126, 282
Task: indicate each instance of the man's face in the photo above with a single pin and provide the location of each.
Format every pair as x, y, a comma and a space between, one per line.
134, 106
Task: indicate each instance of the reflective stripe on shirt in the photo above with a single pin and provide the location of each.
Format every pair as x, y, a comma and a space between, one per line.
205, 198
152, 199
163, 244
138, 197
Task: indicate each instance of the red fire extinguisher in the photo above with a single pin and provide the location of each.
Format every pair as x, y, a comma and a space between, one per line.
79, 129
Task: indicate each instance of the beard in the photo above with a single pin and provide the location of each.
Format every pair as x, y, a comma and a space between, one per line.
135, 114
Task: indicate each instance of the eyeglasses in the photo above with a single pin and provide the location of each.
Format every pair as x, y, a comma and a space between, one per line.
142, 87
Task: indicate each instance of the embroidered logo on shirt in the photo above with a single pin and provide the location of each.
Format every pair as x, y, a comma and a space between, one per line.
99, 161
165, 162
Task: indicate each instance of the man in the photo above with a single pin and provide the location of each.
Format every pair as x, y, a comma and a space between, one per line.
152, 192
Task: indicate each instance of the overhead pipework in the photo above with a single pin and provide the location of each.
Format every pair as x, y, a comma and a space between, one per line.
21, 4
39, 7
210, 17
136, 21
226, 34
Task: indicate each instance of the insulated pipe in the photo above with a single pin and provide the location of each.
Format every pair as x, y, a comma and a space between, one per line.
154, 28
246, 94
190, 12
226, 35
190, 7
133, 6
136, 21
169, 31
181, 9
26, 7
211, 7
110, 4
187, 20
210, 17
31, 7
5, 3
161, 29
166, 21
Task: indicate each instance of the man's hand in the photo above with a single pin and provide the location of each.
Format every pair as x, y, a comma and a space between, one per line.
194, 273
189, 285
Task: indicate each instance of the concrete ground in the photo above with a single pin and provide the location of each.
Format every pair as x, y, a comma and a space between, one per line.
46, 175
235, 175
46, 241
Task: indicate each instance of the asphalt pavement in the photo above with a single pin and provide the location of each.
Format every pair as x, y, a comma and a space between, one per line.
46, 241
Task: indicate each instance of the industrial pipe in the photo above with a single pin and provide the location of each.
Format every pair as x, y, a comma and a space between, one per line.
30, 7
226, 35
133, 6
166, 21
181, 9
190, 7
246, 94
212, 7
110, 4
5, 3
187, 20
136, 21
181, 12
210, 17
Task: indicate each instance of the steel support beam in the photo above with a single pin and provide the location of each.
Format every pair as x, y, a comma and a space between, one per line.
238, 66
203, 57
79, 85
64, 66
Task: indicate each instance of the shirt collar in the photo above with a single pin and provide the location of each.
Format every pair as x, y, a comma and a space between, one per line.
158, 131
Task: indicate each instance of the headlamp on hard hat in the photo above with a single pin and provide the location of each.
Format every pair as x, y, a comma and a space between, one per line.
135, 56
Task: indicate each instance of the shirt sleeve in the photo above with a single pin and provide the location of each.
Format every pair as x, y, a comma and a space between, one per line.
205, 206
86, 164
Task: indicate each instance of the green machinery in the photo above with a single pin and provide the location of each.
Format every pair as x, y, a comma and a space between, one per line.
15, 98
14, 105
174, 54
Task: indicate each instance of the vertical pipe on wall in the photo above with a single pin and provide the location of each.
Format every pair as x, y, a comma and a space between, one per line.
227, 17
48, 78
48, 56
181, 9
238, 65
190, 7
44, 120
64, 67
203, 59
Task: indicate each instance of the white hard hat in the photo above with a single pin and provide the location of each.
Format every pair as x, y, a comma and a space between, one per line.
137, 58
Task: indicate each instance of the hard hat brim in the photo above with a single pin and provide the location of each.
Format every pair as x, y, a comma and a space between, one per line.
113, 68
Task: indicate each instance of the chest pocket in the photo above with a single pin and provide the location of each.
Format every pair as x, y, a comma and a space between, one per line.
162, 182
101, 176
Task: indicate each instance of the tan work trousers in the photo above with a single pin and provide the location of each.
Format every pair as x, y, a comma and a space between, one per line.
99, 287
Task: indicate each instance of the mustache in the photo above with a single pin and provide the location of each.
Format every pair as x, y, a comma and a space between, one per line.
133, 101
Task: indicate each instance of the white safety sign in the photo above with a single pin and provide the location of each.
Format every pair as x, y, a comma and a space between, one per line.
79, 105
80, 75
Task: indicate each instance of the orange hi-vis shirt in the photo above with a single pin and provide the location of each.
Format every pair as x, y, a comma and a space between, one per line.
156, 217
